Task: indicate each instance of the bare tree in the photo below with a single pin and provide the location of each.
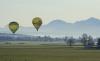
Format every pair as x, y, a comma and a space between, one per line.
84, 39
66, 39
90, 42
98, 43
70, 41
87, 40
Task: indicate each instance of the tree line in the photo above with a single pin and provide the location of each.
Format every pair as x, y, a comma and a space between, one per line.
85, 40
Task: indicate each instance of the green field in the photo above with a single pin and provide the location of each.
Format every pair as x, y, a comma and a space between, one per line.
48, 53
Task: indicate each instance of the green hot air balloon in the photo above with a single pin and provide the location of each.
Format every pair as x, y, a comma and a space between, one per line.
13, 26
37, 22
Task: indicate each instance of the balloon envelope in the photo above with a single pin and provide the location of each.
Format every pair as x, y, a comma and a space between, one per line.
37, 22
13, 26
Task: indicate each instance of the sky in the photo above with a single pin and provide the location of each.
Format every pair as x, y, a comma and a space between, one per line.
23, 11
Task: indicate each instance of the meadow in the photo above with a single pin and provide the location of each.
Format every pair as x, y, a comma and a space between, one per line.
48, 53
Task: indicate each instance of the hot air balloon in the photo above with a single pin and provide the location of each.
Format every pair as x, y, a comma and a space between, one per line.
37, 22
13, 26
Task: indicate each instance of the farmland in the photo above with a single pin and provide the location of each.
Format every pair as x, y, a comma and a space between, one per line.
48, 53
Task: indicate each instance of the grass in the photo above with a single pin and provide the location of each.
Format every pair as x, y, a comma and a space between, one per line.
48, 53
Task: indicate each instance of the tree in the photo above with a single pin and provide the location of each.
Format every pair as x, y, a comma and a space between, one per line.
70, 41
87, 41
98, 43
90, 42
84, 39
65, 39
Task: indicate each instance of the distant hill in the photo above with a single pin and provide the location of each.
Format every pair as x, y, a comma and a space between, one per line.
61, 28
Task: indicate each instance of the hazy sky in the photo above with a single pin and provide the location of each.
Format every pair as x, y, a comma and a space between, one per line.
23, 11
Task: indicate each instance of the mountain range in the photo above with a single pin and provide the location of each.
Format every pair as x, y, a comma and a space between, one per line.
59, 28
